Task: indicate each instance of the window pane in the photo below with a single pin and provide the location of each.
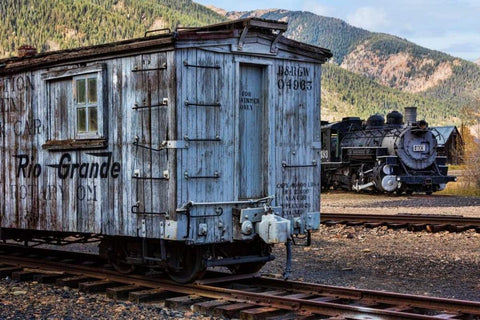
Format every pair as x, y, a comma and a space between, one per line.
81, 93
92, 90
81, 120
92, 119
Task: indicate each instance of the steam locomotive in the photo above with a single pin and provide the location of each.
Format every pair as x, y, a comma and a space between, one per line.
385, 157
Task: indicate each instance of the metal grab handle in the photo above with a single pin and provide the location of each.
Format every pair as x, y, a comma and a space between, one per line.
163, 104
285, 165
200, 104
185, 63
215, 175
217, 138
162, 67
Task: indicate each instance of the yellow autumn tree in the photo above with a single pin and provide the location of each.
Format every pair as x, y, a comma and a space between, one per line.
470, 131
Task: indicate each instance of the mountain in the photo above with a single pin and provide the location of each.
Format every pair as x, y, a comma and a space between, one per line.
60, 24
370, 72
429, 79
477, 61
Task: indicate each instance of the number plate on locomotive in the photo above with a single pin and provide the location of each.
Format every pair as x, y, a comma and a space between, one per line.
419, 147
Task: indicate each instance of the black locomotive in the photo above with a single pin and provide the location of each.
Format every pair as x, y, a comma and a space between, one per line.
386, 157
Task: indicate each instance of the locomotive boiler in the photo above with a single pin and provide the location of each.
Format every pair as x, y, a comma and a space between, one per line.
181, 150
386, 157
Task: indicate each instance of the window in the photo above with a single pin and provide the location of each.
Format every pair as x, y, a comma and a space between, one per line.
86, 105
76, 107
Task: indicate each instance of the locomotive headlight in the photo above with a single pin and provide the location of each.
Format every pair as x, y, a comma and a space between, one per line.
387, 169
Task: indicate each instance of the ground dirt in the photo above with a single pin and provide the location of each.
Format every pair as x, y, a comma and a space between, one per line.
439, 264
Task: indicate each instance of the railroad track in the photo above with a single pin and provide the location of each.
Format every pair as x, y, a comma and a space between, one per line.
246, 296
432, 223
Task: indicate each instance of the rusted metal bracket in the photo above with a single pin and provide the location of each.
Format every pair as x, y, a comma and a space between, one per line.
200, 104
215, 175
285, 165
175, 144
186, 64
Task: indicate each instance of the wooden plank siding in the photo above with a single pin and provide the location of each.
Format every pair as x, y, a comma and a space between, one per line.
186, 90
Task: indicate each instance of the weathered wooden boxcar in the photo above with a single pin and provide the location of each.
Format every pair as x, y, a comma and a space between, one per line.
189, 149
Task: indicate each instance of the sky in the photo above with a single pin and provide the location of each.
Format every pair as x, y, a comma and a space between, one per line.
449, 26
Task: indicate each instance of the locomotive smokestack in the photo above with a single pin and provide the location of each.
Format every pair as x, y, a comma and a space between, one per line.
410, 115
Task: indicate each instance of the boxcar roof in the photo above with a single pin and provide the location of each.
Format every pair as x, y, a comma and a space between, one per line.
165, 41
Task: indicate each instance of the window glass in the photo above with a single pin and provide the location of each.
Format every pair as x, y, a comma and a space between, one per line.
88, 116
92, 119
81, 91
92, 90
81, 120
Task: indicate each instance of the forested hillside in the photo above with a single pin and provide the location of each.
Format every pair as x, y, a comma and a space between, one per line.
346, 93
59, 24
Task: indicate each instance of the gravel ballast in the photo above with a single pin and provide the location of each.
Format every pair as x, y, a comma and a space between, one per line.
442, 264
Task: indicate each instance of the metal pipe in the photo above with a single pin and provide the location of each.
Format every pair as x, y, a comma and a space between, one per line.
363, 186
288, 265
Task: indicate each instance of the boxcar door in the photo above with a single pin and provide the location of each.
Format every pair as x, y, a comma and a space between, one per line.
251, 132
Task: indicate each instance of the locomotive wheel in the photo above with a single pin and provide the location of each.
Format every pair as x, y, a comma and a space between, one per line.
191, 266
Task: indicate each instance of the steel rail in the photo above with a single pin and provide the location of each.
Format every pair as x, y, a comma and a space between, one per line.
401, 219
318, 299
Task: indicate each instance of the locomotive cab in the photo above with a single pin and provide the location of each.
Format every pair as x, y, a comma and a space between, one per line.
332, 152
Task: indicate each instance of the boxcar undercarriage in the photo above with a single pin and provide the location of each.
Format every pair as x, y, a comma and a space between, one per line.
183, 263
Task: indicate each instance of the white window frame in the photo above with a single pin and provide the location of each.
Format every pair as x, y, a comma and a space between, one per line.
87, 105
